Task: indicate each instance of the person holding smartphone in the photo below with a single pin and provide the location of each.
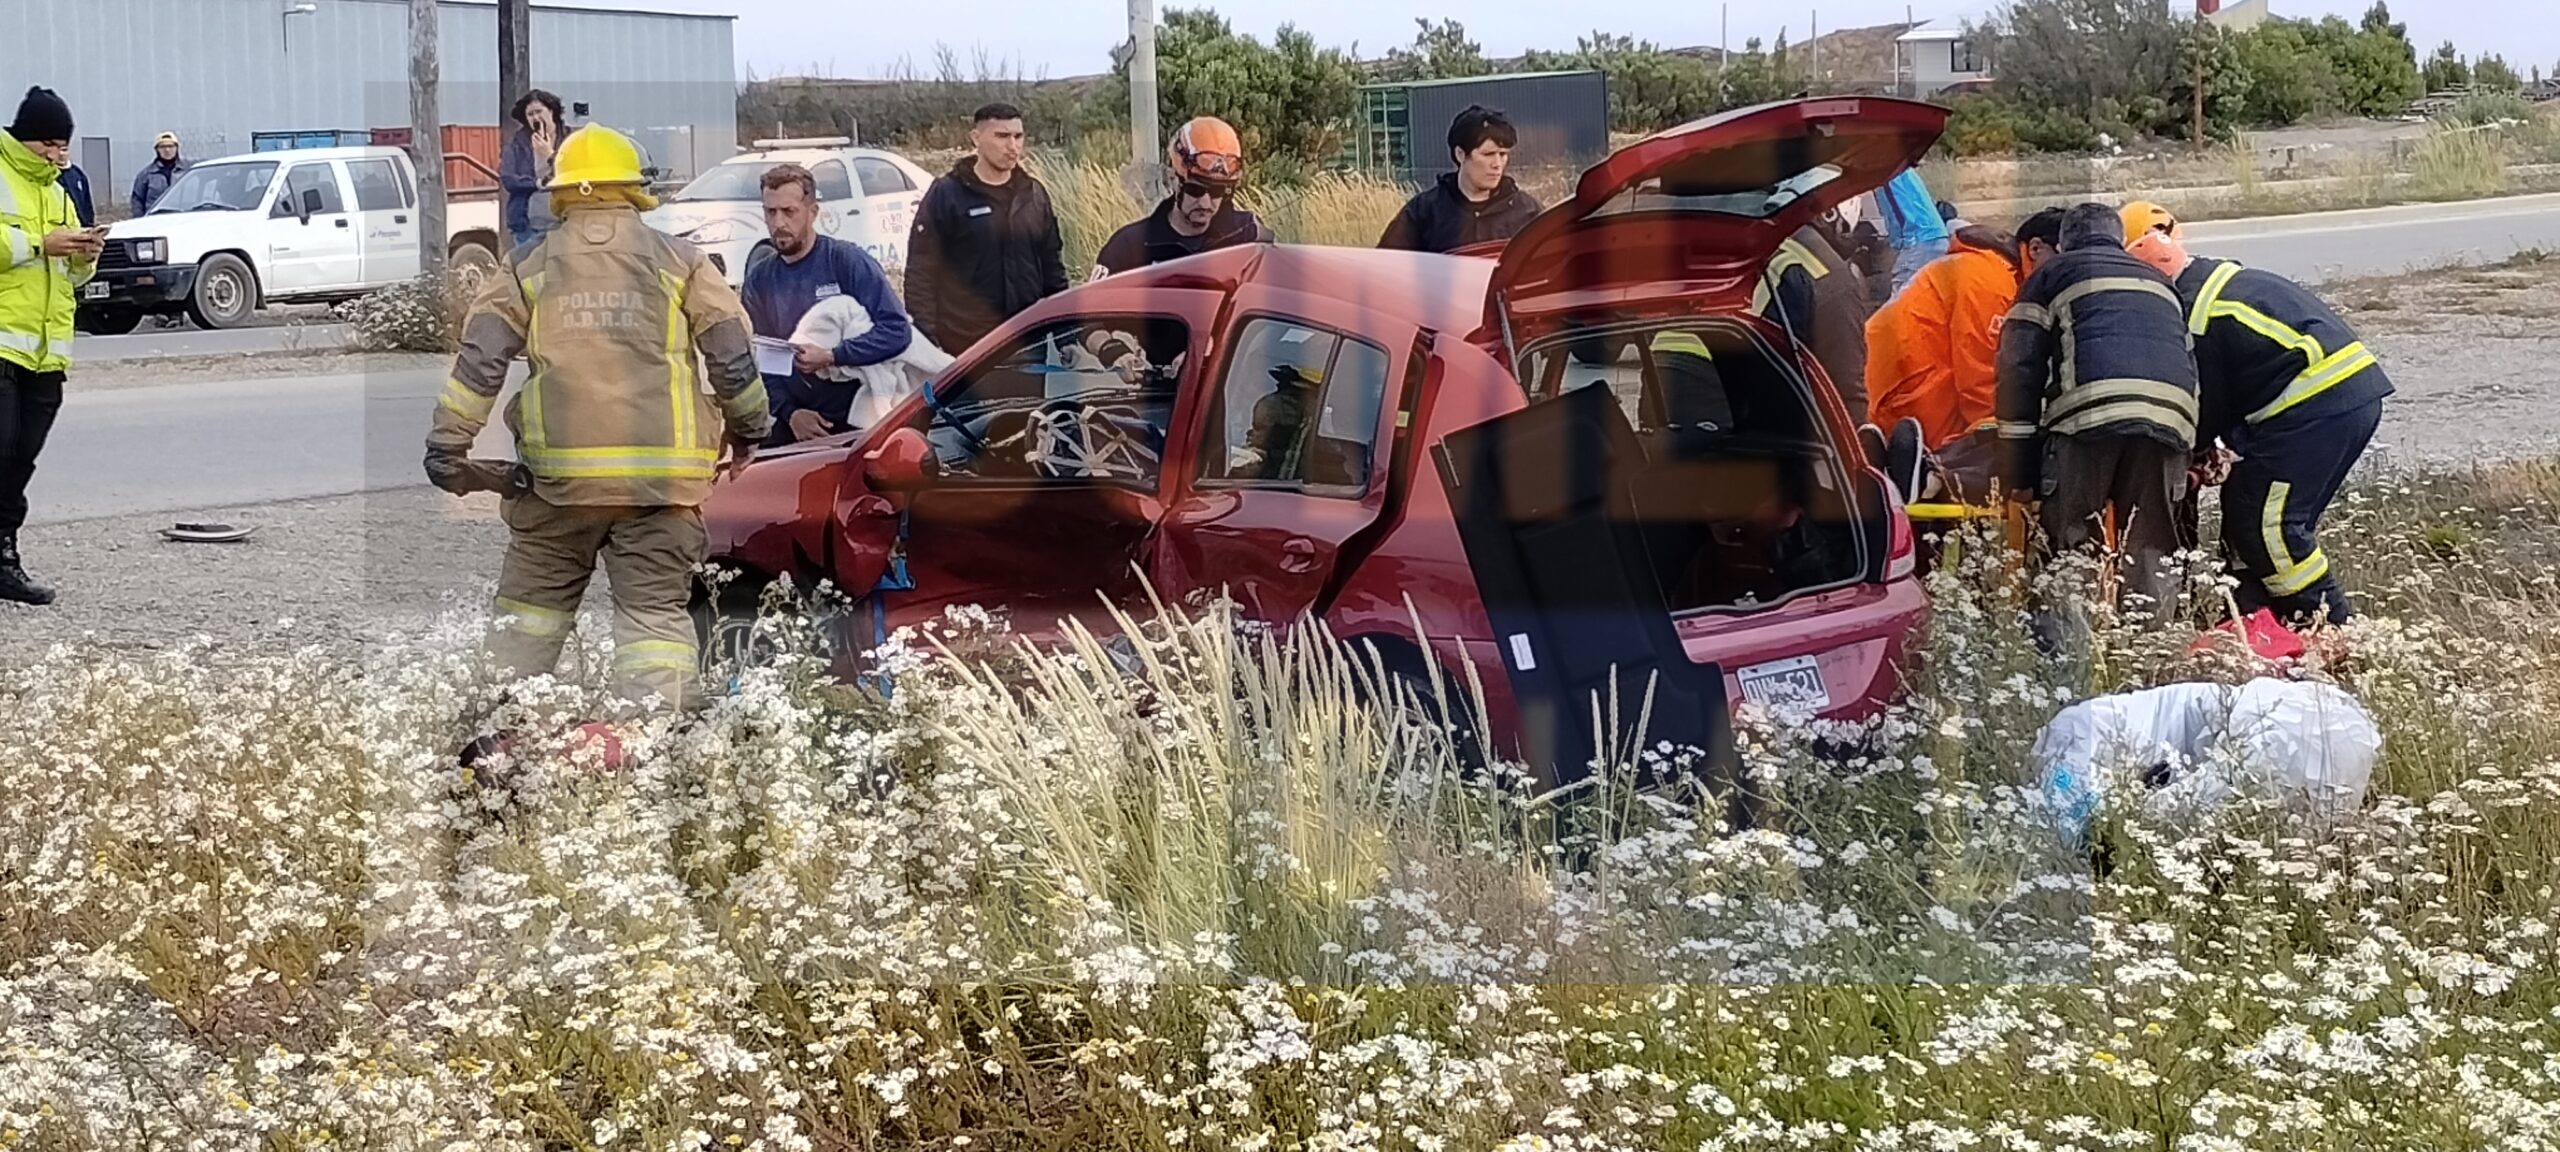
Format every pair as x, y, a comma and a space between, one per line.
525, 165
45, 255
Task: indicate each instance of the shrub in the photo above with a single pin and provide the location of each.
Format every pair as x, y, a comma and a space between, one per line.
2481, 108
421, 315
2459, 164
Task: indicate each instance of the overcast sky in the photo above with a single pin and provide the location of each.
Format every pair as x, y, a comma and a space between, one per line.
1071, 37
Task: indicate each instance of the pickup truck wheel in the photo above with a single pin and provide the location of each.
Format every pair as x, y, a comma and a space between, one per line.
472, 263
226, 293
105, 322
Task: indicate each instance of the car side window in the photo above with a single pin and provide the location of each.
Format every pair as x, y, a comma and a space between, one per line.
1298, 409
880, 177
377, 186
835, 186
1083, 400
318, 177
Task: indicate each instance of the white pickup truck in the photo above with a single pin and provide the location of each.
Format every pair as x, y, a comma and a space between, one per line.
305, 225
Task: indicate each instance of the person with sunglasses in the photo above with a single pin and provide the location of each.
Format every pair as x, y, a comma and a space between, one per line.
1207, 158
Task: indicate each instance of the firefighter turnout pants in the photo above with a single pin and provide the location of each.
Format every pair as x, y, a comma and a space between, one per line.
2135, 479
649, 556
2271, 509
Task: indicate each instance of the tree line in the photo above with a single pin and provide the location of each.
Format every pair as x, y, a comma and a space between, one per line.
2071, 75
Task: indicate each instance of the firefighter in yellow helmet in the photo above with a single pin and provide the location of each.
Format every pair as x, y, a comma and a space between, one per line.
2286, 384
618, 438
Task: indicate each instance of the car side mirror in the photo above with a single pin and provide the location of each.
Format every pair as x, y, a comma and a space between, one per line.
901, 462
308, 206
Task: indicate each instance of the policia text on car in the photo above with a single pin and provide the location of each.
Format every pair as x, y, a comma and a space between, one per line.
618, 437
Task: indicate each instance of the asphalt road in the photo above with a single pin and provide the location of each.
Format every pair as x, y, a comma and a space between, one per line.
158, 343
2384, 241
235, 442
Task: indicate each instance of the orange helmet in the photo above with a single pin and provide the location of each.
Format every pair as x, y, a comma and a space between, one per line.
1206, 151
2155, 237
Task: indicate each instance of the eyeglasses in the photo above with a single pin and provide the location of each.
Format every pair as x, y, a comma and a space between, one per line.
1203, 192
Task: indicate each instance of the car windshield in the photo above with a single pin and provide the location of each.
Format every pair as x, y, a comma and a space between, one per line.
219, 188
728, 182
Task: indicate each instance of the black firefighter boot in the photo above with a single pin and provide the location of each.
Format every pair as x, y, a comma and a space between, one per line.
14, 583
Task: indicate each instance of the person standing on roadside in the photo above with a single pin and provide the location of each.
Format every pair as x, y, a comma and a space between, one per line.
154, 182
524, 167
807, 268
75, 184
45, 255
1912, 225
1479, 202
642, 374
986, 243
1206, 160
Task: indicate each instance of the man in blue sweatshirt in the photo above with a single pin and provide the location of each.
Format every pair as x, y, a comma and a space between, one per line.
1913, 225
808, 268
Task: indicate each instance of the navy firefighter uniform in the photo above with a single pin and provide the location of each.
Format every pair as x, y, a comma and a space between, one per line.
2290, 389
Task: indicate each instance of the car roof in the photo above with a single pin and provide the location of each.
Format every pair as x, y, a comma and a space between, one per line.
812, 156
1427, 289
349, 152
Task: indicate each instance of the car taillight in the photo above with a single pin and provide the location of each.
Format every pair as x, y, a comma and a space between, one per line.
1901, 550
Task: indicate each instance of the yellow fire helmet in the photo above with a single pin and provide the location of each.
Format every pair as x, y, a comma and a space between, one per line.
2155, 237
2142, 216
594, 157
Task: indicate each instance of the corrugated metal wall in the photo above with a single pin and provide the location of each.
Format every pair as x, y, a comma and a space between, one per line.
1563, 119
215, 71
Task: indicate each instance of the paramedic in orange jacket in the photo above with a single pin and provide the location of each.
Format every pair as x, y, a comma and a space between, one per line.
1932, 351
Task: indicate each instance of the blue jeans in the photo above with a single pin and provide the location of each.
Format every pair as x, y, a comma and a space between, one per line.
1908, 262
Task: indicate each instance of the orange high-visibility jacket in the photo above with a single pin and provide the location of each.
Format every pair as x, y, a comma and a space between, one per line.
1932, 351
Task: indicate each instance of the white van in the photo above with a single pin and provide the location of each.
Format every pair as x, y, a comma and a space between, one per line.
305, 225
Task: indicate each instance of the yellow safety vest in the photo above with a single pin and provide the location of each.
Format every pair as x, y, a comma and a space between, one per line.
38, 299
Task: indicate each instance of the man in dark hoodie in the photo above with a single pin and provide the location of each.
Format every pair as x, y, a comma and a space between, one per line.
1207, 162
1477, 203
2097, 398
986, 242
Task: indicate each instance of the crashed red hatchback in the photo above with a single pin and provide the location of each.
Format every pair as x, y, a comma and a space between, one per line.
1260, 420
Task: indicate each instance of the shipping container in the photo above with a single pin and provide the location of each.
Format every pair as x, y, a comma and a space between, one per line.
1402, 128
483, 144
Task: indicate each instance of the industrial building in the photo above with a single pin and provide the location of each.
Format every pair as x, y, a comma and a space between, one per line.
220, 72
1401, 127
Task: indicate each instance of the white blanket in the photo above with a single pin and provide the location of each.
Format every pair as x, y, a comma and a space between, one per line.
885, 385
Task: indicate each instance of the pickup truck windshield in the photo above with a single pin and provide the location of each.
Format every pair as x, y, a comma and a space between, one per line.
219, 188
728, 182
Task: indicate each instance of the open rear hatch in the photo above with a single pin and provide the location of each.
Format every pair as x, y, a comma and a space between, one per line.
1697, 209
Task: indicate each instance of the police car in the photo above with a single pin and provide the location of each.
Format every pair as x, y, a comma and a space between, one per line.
866, 197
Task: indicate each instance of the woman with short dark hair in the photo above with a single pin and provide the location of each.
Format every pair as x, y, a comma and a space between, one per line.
525, 166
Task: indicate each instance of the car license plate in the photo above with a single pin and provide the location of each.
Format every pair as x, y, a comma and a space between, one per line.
1796, 681
95, 291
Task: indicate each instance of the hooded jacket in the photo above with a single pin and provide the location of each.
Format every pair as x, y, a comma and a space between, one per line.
2096, 345
37, 292
1154, 241
1933, 351
154, 182
1441, 218
981, 253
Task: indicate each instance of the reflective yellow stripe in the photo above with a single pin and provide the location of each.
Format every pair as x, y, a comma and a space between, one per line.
2289, 577
533, 619
677, 655
532, 437
679, 359
1790, 254
2202, 314
632, 452
2283, 334
2329, 373
2091, 287
2035, 314
20, 251
1687, 342
459, 399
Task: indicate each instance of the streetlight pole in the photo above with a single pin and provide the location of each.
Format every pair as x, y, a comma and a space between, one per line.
426, 134
1143, 140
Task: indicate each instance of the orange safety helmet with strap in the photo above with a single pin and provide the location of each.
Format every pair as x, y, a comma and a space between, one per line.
1207, 152
2154, 236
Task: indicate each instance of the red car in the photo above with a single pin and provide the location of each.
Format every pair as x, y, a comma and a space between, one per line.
1260, 419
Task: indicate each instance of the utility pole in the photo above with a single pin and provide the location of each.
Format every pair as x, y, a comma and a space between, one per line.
1144, 145
1816, 44
1724, 40
426, 134
515, 53
2202, 44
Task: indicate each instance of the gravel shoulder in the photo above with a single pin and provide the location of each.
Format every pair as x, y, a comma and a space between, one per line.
2470, 351
115, 375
